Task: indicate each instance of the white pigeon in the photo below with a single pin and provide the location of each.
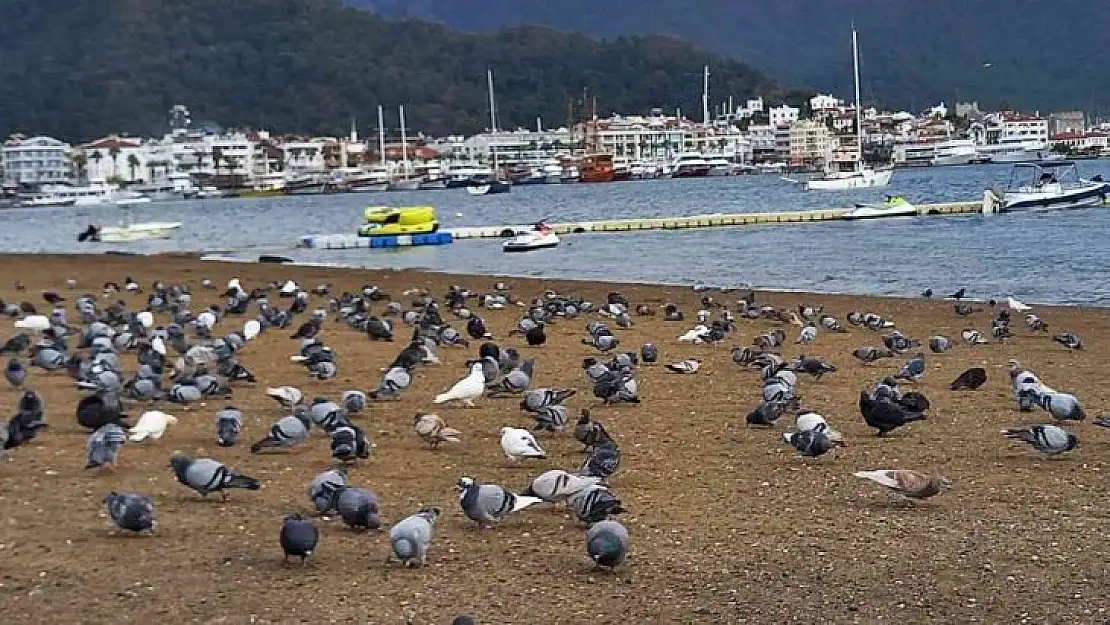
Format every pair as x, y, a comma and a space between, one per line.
518, 443
690, 365
207, 319
152, 424
1017, 306
808, 420
158, 345
38, 323
289, 288
287, 396
467, 389
696, 335
251, 329
146, 318
557, 485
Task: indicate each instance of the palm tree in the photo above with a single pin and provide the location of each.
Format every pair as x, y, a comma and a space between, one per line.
81, 162
217, 156
151, 167
97, 157
114, 153
132, 165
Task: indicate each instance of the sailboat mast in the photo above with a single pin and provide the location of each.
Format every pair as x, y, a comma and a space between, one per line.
404, 142
381, 135
859, 115
705, 97
492, 120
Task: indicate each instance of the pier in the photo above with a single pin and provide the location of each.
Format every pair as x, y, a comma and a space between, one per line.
713, 220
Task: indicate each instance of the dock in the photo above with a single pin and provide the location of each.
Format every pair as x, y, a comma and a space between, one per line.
713, 220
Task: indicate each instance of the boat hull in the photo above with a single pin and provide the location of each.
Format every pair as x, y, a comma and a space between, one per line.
866, 179
1089, 195
529, 242
489, 188
137, 232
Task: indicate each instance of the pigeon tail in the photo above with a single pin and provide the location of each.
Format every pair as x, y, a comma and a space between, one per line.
242, 481
267, 444
404, 547
523, 501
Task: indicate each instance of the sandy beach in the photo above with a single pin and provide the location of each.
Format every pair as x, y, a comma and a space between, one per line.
727, 523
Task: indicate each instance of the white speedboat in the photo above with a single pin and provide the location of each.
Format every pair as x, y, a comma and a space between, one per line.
892, 206
488, 186
541, 237
1046, 186
129, 233
862, 177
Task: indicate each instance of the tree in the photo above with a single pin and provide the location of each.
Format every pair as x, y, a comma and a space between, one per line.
133, 164
81, 163
151, 167
97, 157
114, 153
217, 158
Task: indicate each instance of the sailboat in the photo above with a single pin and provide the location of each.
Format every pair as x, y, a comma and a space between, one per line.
494, 184
860, 175
406, 182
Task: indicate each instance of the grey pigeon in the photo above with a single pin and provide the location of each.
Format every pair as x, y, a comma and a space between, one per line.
229, 422
410, 537
15, 373
349, 443
395, 380
325, 487
354, 401
299, 537
49, 358
913, 369
327, 415
1062, 406
205, 475
550, 418
358, 508
595, 503
603, 461
515, 382
185, 394
810, 443
1048, 439
103, 445
540, 398
289, 431
487, 504
130, 511
607, 543
1070, 340
939, 344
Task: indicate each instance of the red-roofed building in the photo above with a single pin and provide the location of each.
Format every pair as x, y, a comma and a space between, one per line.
114, 157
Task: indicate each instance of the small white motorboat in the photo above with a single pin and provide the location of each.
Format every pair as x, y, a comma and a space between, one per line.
1046, 186
129, 233
541, 237
892, 206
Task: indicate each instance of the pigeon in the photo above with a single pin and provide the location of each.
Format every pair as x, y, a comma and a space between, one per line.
349, 443
557, 486
808, 334
766, 414
959, 294
1017, 306
103, 446
289, 431
1070, 340
970, 380
466, 390
813, 366
395, 380
487, 504
973, 337
130, 511
229, 422
539, 398
868, 354
327, 415
15, 373
432, 429
690, 365
607, 543
603, 461
287, 396
299, 537
518, 443
152, 424
358, 508
515, 382
883, 415
589, 432
1062, 406
550, 418
96, 410
913, 369
907, 484
205, 475
649, 354
354, 401
595, 503
16, 344
27, 422
1050, 440
410, 537
811, 442
1035, 323
939, 344
324, 489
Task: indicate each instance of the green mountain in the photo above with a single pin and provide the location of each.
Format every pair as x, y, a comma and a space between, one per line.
82, 68
1031, 53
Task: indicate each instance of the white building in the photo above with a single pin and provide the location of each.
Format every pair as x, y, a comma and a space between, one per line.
810, 143
750, 108
661, 137
821, 102
784, 115
1012, 128
306, 156
510, 145
35, 160
116, 158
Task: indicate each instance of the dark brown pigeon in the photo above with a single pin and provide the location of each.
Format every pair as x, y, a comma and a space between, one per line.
970, 380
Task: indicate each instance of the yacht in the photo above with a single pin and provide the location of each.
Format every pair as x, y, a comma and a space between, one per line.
622, 169
689, 165
860, 175
96, 193
552, 171
176, 186
954, 152
1013, 152
362, 181
1046, 186
460, 174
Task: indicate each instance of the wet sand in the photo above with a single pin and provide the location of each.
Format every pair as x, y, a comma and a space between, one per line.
727, 524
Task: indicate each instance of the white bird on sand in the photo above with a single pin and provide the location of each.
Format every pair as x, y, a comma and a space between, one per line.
690, 365
146, 318
809, 420
557, 485
696, 335
467, 389
1017, 306
158, 345
152, 424
518, 443
251, 329
38, 323
287, 396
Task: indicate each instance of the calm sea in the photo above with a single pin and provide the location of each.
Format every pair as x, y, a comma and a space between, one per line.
1057, 257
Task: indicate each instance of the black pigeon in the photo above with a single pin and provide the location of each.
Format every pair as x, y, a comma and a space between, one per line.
883, 415
927, 294
16, 344
959, 294
766, 415
27, 422
649, 354
94, 412
476, 328
308, 330
813, 366
536, 336
970, 380
299, 537
914, 402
